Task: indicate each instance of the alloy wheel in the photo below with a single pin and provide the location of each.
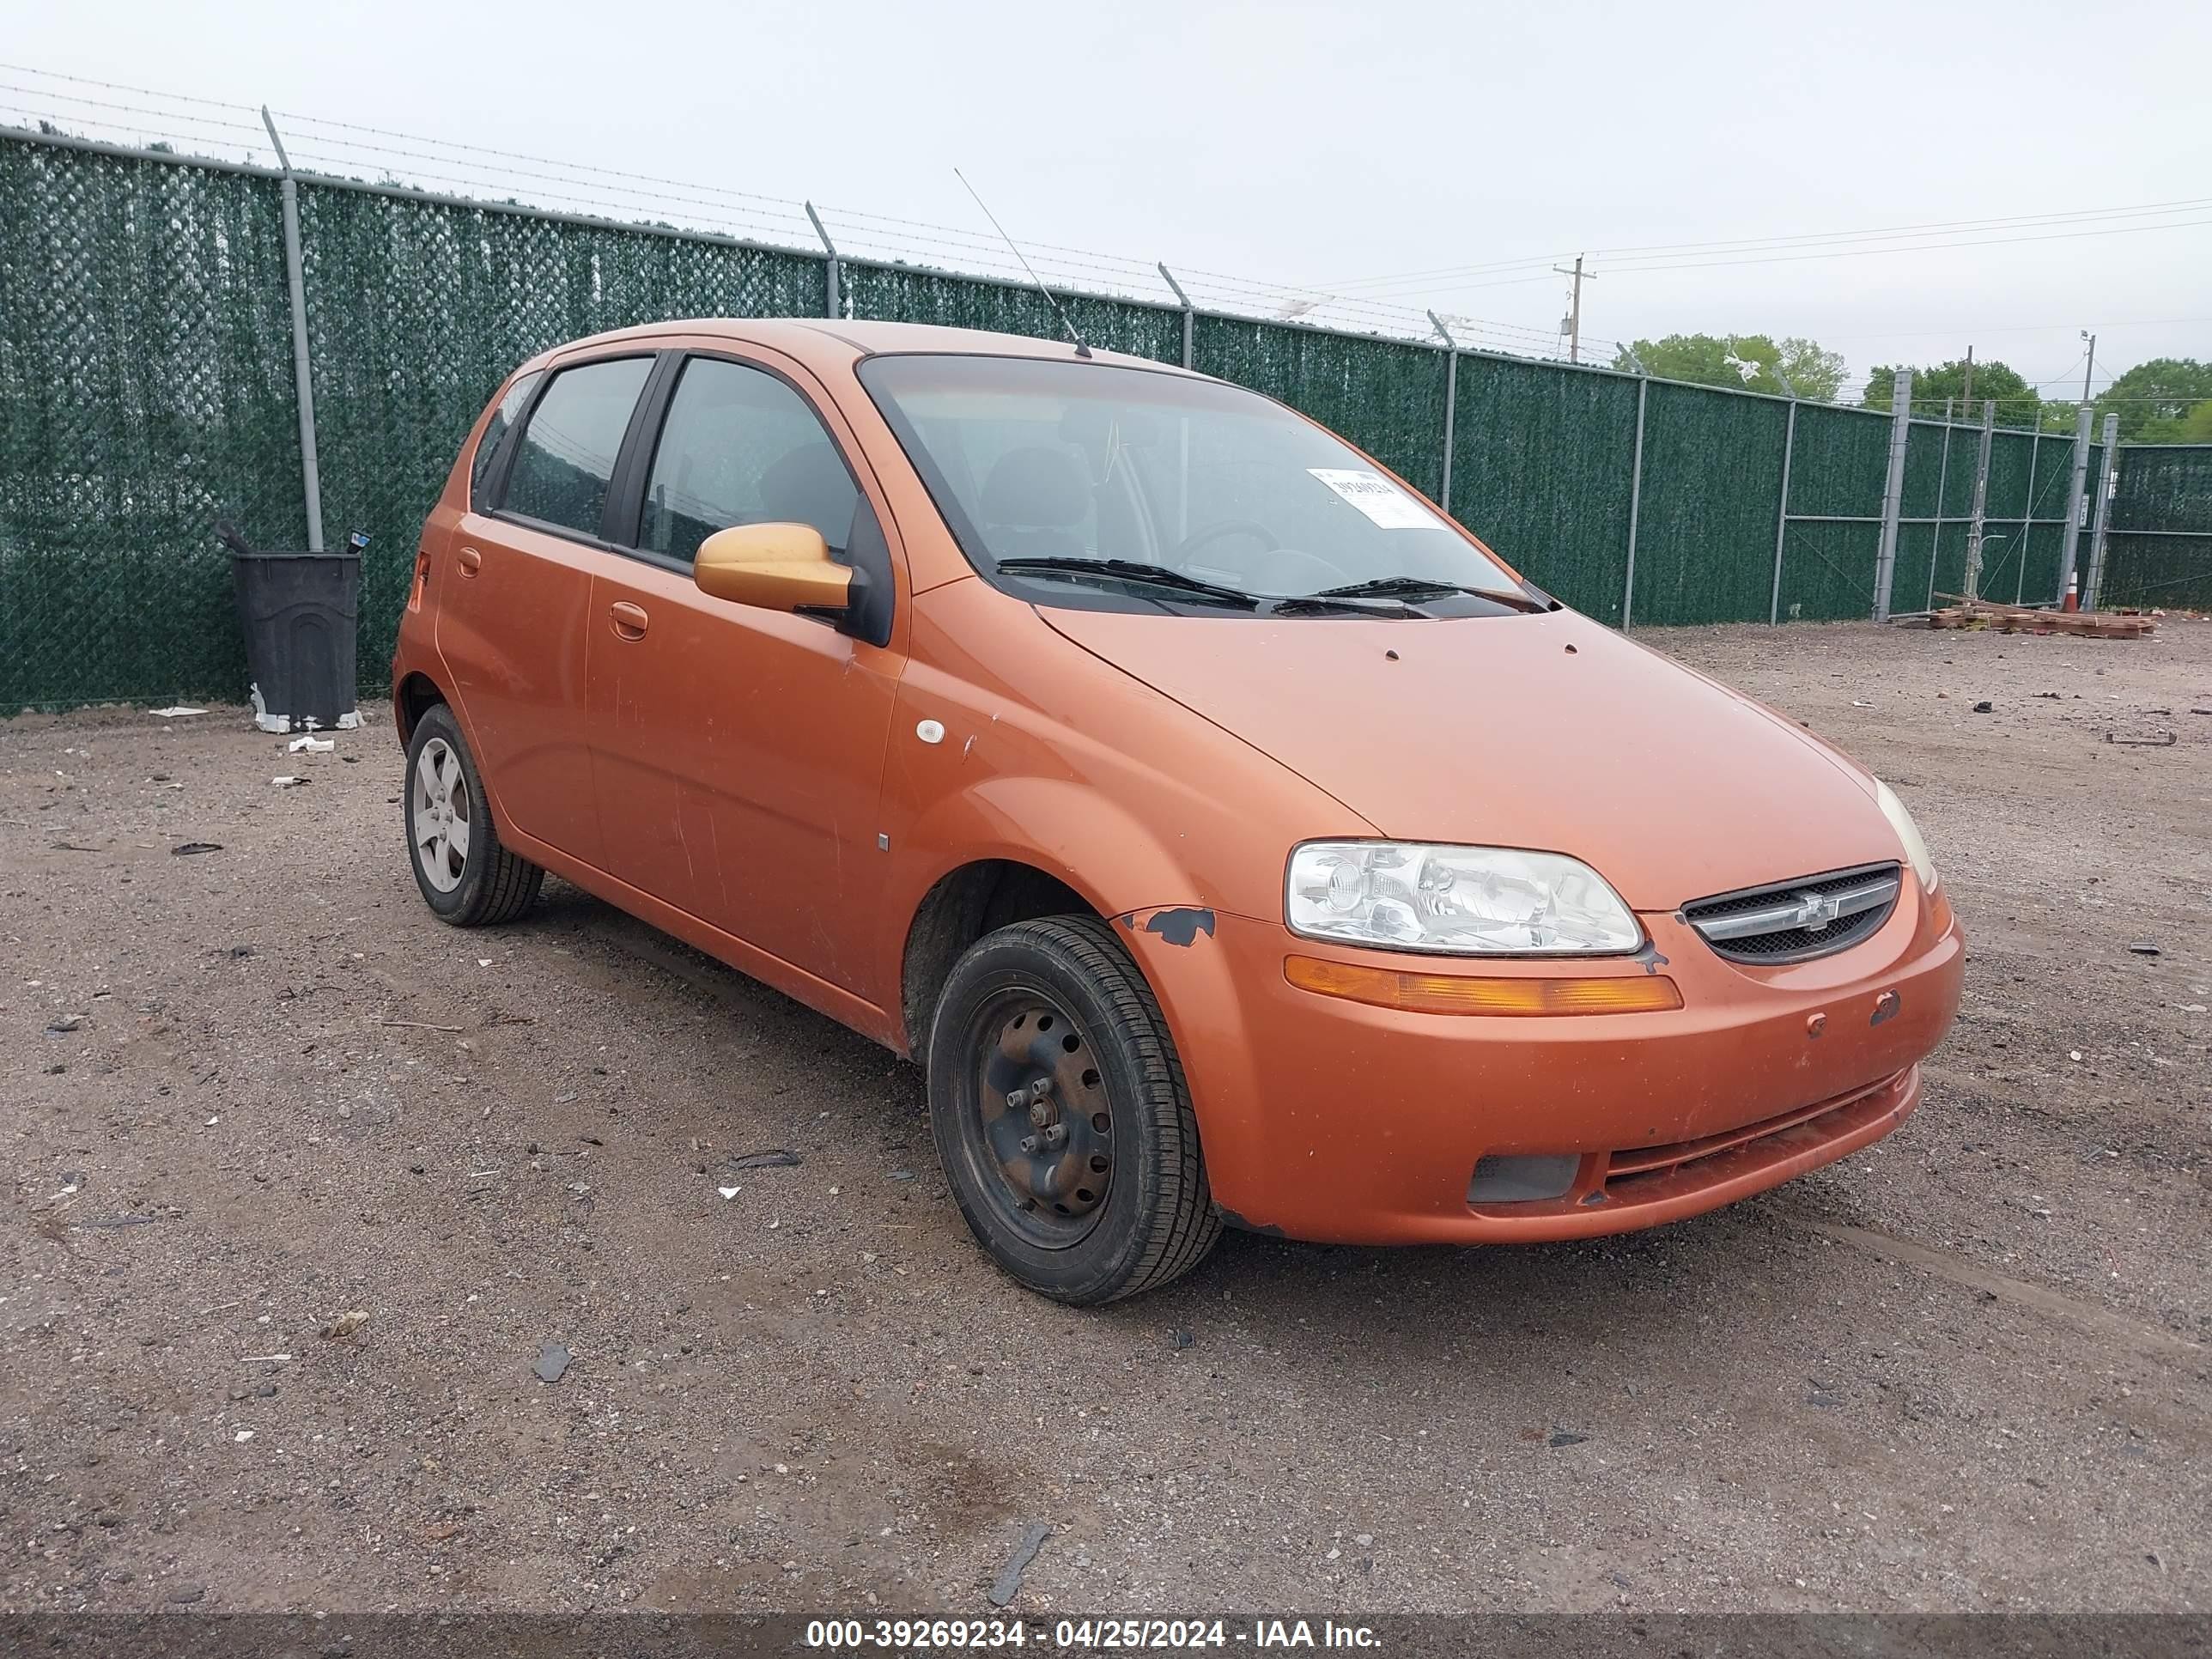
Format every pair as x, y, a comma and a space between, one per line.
439, 815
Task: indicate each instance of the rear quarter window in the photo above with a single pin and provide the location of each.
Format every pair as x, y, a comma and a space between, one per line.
495, 434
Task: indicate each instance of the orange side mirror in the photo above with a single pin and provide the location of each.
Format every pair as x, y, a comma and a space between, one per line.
772, 566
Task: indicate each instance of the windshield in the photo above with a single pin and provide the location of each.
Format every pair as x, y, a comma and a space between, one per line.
1201, 494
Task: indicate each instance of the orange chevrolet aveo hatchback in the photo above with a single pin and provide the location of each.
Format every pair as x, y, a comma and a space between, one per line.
1233, 838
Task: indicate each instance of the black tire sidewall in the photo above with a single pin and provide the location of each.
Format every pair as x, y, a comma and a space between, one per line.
467, 895
1105, 1262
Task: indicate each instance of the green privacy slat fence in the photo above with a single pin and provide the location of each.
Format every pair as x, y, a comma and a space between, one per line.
2158, 539
902, 294
418, 310
1712, 481
2023, 536
1385, 396
1838, 469
145, 386
1543, 466
2021, 489
146, 389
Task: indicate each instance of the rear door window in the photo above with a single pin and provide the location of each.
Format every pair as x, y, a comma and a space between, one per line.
566, 454
740, 446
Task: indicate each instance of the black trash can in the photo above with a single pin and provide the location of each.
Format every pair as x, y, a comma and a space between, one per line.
298, 611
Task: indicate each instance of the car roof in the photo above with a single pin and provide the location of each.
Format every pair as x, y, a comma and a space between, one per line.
824, 341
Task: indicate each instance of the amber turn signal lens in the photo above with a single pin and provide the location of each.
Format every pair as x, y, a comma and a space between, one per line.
1456, 993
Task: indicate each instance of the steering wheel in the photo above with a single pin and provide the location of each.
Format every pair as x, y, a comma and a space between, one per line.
1214, 532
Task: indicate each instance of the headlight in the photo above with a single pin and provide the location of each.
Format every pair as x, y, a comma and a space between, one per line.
1915, 850
1459, 901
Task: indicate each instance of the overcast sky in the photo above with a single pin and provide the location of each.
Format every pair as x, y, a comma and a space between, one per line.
1325, 144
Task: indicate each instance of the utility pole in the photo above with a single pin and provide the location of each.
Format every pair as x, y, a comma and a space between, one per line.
2089, 368
1966, 392
1575, 307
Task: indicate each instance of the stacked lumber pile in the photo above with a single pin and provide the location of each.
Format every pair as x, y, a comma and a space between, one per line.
2023, 619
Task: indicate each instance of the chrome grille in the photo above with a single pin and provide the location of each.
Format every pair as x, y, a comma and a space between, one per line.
1796, 921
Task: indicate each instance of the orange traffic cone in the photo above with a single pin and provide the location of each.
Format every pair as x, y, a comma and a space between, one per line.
2073, 593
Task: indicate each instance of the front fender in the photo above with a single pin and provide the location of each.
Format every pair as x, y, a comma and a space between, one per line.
1062, 827
1041, 753
1124, 871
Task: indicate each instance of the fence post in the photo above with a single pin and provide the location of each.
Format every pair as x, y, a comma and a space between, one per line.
1981, 504
1781, 513
1635, 508
303, 381
1892, 492
1451, 408
1942, 483
833, 283
2026, 519
2074, 500
1189, 315
2108, 474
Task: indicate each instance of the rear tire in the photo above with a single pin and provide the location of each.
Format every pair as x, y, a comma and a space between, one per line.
1062, 1115
466, 876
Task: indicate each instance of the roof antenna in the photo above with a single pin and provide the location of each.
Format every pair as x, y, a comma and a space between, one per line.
1066, 321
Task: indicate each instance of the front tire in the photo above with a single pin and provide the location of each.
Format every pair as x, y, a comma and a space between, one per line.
1061, 1116
466, 876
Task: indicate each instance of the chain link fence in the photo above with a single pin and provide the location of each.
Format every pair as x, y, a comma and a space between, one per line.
147, 389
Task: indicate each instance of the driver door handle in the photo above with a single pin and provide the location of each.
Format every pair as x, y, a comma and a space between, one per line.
629, 619
471, 561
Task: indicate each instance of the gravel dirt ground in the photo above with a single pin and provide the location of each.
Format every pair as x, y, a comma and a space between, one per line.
247, 1094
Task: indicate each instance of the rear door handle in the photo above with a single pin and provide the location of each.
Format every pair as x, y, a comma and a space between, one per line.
629, 619
471, 562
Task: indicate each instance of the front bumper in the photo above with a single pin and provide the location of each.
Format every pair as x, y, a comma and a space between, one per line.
1330, 1120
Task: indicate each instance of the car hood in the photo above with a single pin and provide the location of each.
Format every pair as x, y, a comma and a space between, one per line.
1551, 733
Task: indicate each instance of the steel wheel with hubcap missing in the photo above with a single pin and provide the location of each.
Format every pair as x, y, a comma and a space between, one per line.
1061, 1116
1041, 1119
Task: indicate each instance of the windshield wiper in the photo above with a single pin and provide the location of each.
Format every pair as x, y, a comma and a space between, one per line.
1408, 587
1152, 575
1377, 605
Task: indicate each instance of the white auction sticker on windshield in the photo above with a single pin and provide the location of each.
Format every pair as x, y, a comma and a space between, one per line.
1382, 501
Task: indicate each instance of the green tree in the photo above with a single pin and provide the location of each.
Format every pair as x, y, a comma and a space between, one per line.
1742, 361
2019, 404
2059, 415
2197, 425
2155, 399
1814, 373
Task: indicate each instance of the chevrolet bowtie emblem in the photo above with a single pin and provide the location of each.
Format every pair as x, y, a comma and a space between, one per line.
1815, 911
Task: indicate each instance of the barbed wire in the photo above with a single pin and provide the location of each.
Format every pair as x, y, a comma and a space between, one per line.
372, 153
1667, 251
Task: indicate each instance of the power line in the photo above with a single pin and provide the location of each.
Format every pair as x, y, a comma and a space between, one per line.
1846, 253
1920, 396
1993, 241
1759, 244
2025, 328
